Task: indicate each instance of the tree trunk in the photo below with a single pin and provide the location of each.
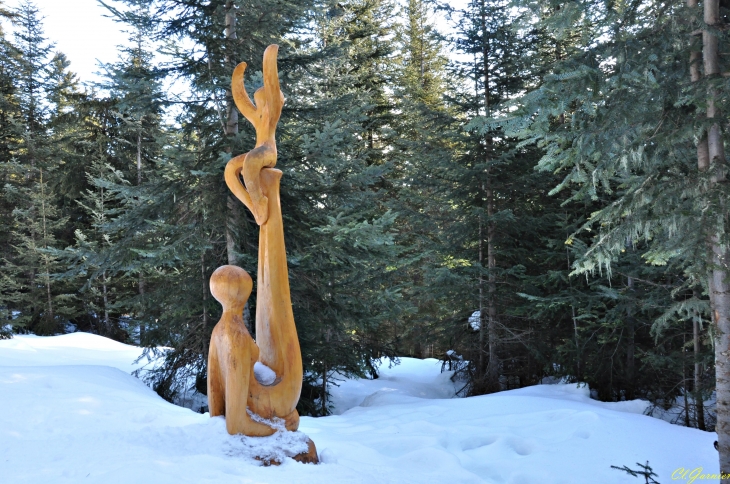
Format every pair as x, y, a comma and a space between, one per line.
493, 364
139, 158
703, 164
232, 113
142, 328
718, 283
480, 370
205, 291
485, 57
231, 129
325, 369
631, 344
482, 316
107, 325
323, 408
578, 371
697, 384
140, 283
233, 220
695, 62
721, 319
49, 314
48, 296
684, 383
578, 365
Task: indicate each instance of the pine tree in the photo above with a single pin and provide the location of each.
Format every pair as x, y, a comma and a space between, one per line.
490, 185
88, 259
423, 72
66, 125
34, 53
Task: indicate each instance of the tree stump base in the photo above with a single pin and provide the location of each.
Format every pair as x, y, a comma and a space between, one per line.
308, 457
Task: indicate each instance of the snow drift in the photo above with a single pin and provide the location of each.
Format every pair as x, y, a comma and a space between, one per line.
73, 413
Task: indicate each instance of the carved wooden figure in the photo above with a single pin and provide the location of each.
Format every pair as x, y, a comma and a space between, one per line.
263, 378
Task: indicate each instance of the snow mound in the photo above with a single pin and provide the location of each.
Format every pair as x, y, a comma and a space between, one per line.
67, 422
68, 349
579, 393
409, 381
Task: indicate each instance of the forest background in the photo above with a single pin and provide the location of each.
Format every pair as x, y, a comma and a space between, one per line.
541, 194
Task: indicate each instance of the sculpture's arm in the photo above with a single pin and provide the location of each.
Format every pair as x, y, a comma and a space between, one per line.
232, 176
240, 96
272, 89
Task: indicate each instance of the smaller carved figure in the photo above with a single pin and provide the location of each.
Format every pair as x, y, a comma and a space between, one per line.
233, 354
264, 116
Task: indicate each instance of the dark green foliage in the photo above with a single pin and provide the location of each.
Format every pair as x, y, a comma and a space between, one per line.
340, 236
613, 116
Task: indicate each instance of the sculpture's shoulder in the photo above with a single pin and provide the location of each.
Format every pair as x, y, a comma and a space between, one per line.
231, 328
237, 329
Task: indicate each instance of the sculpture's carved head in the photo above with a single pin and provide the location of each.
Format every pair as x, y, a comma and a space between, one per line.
231, 286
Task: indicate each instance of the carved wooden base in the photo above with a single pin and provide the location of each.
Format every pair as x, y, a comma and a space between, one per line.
308, 457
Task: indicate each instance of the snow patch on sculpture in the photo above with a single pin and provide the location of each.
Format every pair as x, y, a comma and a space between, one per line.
264, 374
272, 449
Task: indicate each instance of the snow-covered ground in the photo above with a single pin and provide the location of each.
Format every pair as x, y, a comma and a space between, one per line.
71, 412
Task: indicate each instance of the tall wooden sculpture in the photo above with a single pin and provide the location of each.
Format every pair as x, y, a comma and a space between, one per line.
257, 385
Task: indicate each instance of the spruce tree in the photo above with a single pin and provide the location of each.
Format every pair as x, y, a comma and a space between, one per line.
626, 136
36, 220
490, 186
10, 134
340, 236
427, 127
105, 290
135, 89
42, 305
